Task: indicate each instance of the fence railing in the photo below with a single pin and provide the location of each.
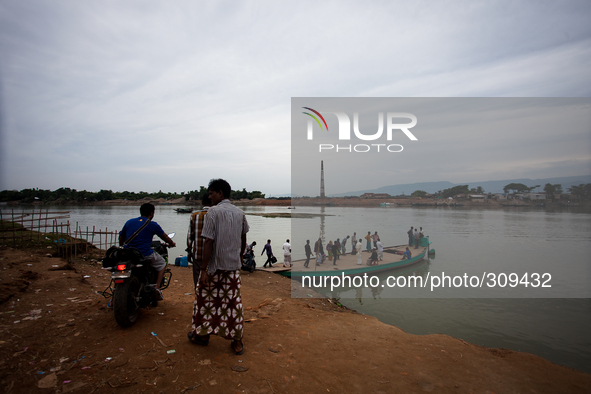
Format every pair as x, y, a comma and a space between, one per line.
43, 226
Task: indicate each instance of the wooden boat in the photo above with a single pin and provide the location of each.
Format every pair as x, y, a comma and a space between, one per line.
347, 264
183, 210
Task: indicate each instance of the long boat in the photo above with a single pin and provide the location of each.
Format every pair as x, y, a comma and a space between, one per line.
347, 263
183, 210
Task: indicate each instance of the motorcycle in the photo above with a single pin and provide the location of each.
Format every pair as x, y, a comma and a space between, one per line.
133, 281
248, 263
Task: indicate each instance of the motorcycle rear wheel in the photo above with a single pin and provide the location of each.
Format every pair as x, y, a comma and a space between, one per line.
125, 305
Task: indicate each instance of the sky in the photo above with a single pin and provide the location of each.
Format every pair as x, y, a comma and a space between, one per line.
152, 95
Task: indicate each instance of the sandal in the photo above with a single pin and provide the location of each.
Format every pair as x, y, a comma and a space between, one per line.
234, 347
197, 339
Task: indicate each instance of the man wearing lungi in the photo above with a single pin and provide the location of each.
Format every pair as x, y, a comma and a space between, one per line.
218, 305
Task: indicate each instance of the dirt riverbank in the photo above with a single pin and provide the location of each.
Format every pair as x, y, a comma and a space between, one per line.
348, 202
57, 332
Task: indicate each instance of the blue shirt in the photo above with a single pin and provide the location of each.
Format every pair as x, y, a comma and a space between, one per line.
268, 249
143, 240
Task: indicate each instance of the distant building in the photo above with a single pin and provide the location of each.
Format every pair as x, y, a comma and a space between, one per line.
497, 196
477, 197
534, 196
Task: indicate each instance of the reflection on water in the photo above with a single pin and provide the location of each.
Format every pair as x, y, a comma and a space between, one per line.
362, 287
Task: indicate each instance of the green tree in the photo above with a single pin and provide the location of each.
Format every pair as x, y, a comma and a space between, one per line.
582, 190
552, 190
255, 194
460, 189
103, 195
517, 188
419, 193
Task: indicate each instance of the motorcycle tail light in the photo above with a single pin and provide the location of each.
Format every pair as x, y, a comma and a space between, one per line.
121, 267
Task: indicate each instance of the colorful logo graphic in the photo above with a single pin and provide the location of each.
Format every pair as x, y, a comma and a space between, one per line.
315, 118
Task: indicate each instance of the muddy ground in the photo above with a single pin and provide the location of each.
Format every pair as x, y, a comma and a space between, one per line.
58, 336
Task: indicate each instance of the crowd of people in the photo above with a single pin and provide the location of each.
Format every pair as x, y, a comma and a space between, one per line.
373, 245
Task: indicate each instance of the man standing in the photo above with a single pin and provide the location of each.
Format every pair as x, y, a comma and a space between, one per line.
375, 238
380, 250
267, 248
368, 239
410, 236
218, 304
344, 245
417, 236
335, 252
319, 250
308, 251
143, 239
194, 240
287, 254
358, 247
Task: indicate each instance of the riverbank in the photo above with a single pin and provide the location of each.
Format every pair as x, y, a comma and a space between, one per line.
337, 202
433, 203
291, 345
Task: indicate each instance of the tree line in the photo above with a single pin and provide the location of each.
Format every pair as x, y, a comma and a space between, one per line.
583, 191
197, 195
65, 194
452, 191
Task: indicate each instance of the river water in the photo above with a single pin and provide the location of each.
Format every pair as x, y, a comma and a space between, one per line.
553, 323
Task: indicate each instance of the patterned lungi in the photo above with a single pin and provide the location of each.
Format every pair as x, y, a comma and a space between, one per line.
218, 306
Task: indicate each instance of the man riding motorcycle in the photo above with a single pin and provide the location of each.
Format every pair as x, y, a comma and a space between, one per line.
143, 240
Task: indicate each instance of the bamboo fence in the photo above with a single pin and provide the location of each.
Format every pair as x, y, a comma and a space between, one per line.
38, 226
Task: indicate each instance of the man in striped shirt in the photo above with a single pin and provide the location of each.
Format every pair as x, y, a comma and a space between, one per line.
194, 240
218, 304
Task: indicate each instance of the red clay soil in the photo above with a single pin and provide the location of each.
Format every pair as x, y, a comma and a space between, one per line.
56, 332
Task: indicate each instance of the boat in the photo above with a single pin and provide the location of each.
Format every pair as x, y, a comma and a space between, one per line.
183, 210
347, 264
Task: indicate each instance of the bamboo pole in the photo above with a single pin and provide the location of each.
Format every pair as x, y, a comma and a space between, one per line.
13, 229
22, 232
76, 241
39, 232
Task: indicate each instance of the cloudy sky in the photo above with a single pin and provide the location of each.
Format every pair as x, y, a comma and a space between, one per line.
153, 95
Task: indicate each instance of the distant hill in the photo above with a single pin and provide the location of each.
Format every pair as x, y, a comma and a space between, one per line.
488, 186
